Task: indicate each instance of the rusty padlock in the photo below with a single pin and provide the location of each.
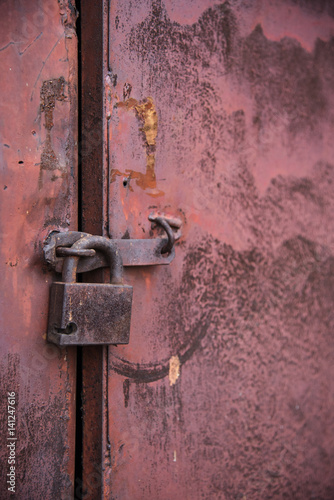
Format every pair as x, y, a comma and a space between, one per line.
90, 313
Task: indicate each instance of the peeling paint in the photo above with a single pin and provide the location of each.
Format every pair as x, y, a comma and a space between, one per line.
68, 14
146, 113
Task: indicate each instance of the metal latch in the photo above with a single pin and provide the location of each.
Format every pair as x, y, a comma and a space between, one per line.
90, 313
97, 313
134, 252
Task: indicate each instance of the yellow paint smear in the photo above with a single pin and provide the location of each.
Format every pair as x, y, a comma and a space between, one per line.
174, 369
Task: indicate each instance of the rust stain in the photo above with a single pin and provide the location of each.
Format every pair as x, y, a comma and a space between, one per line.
147, 115
174, 370
51, 91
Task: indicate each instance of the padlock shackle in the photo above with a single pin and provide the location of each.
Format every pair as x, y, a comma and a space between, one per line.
69, 273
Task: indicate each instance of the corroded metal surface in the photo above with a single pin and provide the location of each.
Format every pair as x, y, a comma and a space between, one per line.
222, 114
105, 245
38, 54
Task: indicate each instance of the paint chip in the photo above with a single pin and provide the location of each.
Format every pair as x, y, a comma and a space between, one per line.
174, 369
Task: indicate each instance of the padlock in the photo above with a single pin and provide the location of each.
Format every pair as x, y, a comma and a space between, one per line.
90, 313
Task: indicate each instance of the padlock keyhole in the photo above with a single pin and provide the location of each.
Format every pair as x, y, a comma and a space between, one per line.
70, 328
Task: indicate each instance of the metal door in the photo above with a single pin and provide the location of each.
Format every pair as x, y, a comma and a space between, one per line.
219, 114
38, 54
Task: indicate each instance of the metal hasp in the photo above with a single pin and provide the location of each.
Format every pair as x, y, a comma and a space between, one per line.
89, 313
134, 252
98, 314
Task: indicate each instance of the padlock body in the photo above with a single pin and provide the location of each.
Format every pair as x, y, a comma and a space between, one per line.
89, 314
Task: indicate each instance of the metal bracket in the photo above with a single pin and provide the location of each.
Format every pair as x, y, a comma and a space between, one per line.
146, 252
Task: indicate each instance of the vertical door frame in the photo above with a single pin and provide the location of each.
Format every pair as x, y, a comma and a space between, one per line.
94, 175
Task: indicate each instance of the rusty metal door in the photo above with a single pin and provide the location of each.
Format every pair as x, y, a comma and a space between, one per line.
38, 54
220, 115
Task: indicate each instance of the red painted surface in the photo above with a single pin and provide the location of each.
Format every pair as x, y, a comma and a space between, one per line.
243, 95
221, 115
38, 193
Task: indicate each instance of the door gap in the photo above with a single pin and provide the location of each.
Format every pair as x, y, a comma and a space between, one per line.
78, 479
78, 429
